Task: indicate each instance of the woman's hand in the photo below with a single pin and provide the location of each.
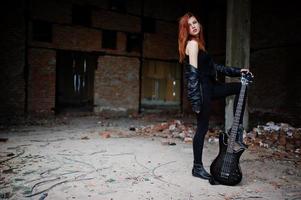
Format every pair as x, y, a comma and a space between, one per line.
246, 71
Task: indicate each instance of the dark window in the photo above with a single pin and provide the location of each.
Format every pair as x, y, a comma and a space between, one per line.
148, 25
42, 31
81, 15
118, 5
133, 43
109, 39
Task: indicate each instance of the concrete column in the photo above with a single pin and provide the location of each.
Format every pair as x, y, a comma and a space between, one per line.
237, 47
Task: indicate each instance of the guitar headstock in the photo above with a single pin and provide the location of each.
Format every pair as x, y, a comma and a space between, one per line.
246, 78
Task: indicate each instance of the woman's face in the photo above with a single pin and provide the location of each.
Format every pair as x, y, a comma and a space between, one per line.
194, 26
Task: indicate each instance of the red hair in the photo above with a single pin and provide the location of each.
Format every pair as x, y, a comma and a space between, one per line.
184, 35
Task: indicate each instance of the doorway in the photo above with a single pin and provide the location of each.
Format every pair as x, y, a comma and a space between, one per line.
75, 81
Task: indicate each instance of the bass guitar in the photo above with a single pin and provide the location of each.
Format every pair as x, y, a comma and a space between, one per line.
225, 167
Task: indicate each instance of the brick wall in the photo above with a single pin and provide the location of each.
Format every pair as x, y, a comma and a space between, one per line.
275, 40
41, 88
116, 86
110, 93
162, 44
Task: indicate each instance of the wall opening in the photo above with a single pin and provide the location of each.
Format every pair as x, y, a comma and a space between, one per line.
81, 15
41, 31
161, 86
75, 81
109, 39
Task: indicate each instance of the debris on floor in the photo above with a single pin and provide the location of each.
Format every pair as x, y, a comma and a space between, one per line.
280, 137
140, 158
169, 129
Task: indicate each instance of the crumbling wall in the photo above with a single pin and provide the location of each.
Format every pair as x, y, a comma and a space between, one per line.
117, 85
41, 84
120, 67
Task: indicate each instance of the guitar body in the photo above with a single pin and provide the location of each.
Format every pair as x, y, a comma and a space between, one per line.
225, 168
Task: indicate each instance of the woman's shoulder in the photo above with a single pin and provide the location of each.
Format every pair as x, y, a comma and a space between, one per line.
192, 47
192, 44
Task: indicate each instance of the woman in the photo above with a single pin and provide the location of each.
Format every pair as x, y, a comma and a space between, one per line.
200, 74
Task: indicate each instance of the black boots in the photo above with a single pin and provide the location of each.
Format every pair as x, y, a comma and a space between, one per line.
199, 171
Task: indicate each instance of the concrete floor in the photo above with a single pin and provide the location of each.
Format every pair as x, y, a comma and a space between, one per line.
71, 160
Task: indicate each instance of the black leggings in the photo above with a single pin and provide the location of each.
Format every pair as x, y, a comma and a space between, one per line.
211, 91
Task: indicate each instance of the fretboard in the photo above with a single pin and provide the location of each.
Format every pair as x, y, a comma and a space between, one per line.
237, 116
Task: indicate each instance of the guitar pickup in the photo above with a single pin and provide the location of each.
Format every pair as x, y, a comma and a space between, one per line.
225, 175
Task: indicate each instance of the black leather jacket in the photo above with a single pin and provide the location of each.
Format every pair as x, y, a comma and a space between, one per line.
193, 78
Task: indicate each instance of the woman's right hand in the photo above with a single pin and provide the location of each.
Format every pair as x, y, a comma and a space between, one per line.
246, 71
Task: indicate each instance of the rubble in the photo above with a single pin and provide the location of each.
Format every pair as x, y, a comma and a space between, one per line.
115, 133
169, 129
280, 137
105, 134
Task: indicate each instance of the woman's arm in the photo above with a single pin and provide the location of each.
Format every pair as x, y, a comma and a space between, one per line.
193, 50
194, 92
231, 71
228, 71
192, 76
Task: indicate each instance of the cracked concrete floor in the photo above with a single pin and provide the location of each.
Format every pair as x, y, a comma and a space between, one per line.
72, 161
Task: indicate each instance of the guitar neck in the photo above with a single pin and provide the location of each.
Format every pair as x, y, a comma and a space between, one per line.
237, 116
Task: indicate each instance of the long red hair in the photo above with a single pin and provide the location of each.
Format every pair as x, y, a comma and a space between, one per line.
184, 35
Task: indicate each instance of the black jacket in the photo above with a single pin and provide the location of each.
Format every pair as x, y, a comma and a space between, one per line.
193, 78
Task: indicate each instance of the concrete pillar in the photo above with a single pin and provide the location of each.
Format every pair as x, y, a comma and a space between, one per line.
237, 47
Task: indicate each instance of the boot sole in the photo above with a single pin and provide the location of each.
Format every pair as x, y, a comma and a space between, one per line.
202, 177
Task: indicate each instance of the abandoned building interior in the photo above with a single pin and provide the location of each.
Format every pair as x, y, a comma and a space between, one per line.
94, 104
